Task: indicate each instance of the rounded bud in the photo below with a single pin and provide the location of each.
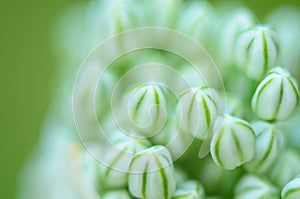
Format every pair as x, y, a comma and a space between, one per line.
292, 189
257, 51
266, 147
152, 174
147, 108
198, 110
114, 174
252, 186
276, 96
233, 142
190, 189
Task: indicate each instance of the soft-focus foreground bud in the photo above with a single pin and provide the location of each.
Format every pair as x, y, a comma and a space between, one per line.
233, 142
117, 194
114, 173
189, 190
285, 167
292, 189
276, 97
198, 110
255, 187
151, 174
147, 107
266, 147
229, 27
257, 51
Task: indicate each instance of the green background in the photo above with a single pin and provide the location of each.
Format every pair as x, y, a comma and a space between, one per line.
27, 68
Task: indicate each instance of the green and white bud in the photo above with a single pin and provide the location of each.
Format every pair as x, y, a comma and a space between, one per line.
292, 189
148, 108
266, 147
114, 171
257, 51
190, 189
285, 168
228, 28
255, 187
233, 142
198, 109
152, 174
117, 194
276, 97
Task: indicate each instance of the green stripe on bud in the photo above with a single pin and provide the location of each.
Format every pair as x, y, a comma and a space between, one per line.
233, 142
148, 108
114, 174
189, 190
152, 174
257, 51
276, 96
198, 110
292, 189
254, 187
266, 147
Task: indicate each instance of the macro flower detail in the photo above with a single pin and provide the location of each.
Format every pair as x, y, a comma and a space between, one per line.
292, 189
152, 174
117, 194
233, 142
255, 187
118, 158
266, 148
257, 51
276, 97
189, 190
198, 110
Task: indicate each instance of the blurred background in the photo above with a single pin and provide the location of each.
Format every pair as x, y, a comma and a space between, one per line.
27, 69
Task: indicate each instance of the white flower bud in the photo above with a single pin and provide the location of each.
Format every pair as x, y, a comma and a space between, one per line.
189, 190
257, 51
233, 142
147, 109
276, 96
198, 109
266, 147
117, 194
255, 187
285, 168
114, 172
292, 189
151, 174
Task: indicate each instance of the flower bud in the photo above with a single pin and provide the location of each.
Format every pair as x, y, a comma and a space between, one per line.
189, 190
114, 174
257, 51
233, 142
266, 147
255, 187
198, 110
151, 174
147, 108
276, 96
285, 168
291, 189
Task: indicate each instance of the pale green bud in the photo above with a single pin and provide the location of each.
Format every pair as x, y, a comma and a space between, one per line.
257, 51
190, 189
151, 174
198, 110
292, 189
285, 168
114, 172
255, 187
117, 194
233, 142
266, 147
276, 96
